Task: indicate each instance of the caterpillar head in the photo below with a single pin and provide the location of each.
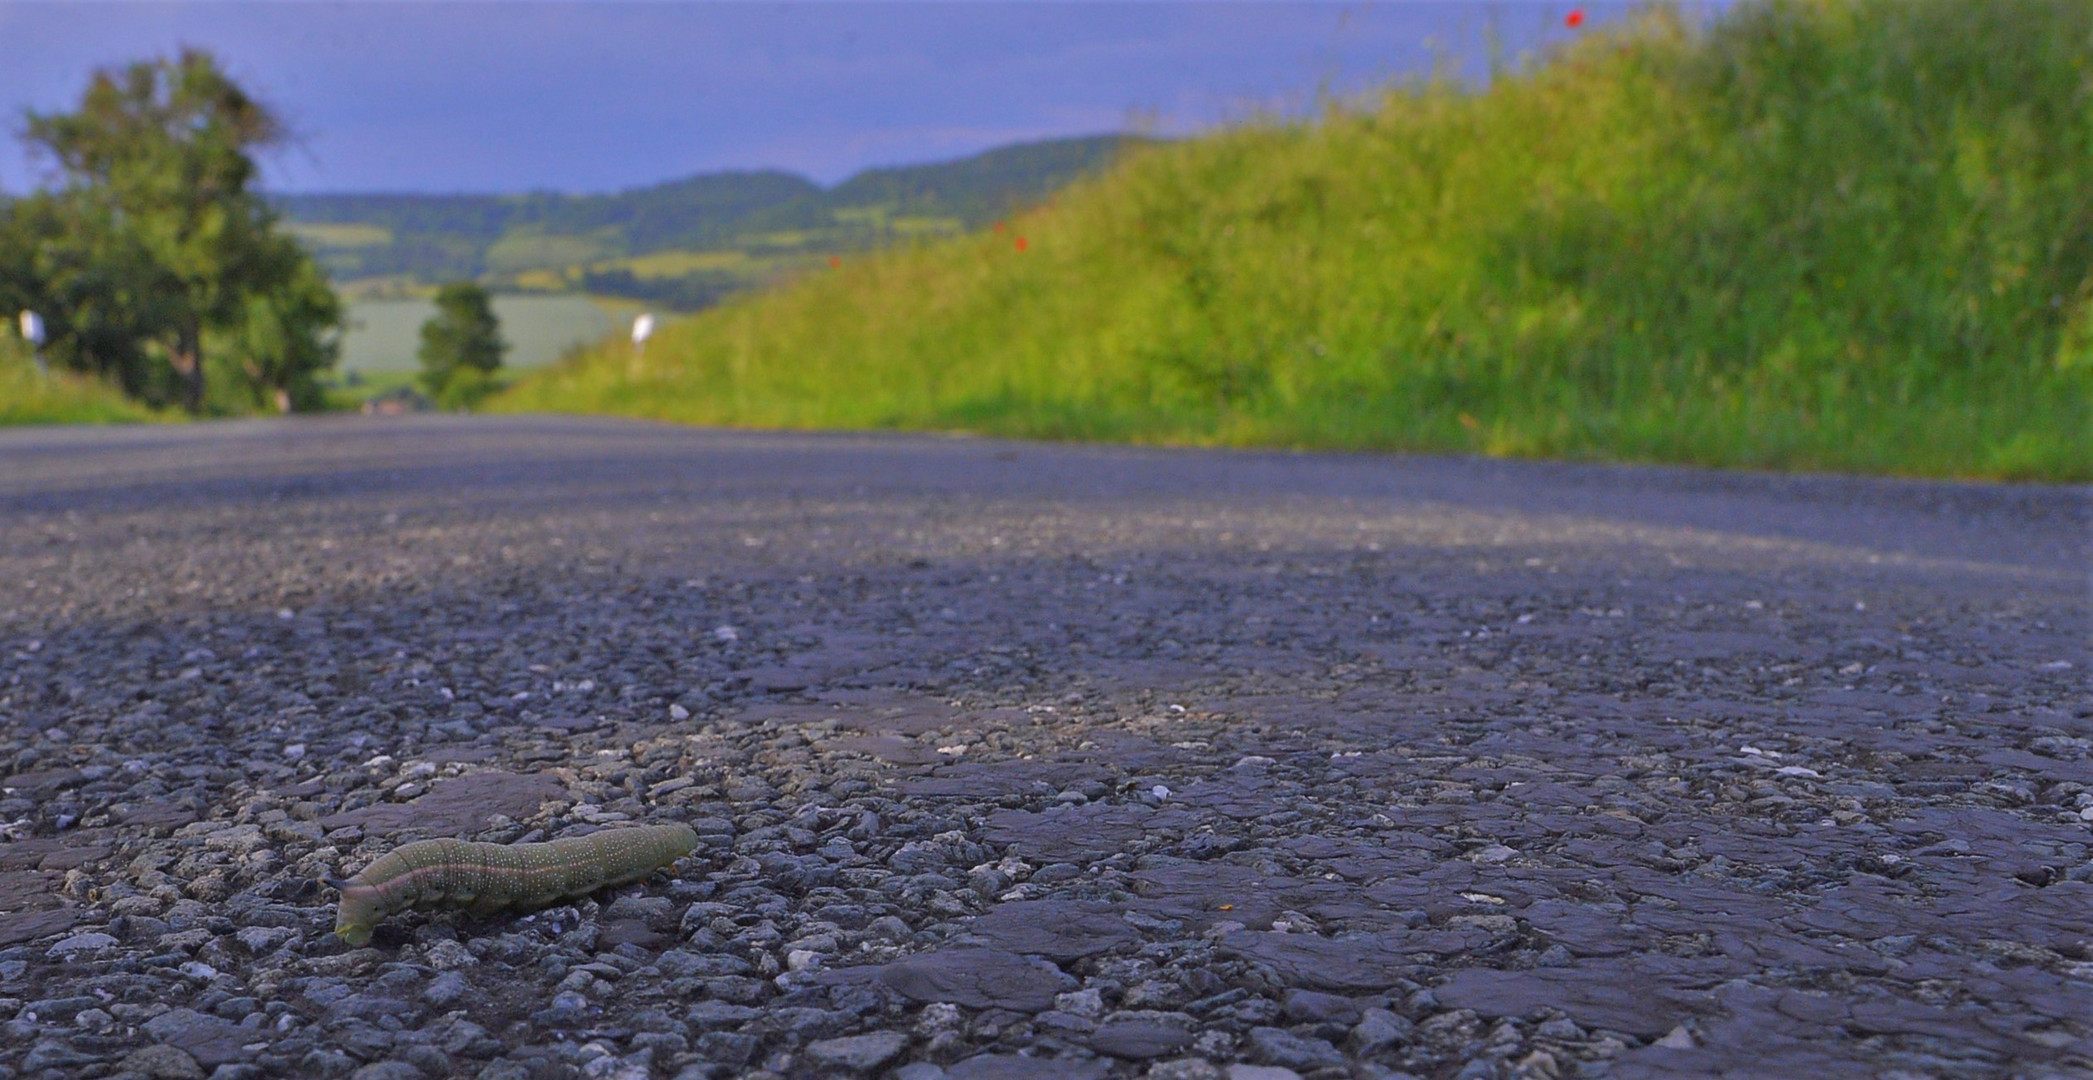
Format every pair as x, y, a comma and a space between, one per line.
358, 911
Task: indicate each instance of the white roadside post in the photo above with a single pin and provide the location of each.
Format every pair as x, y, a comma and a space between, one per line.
33, 331
642, 329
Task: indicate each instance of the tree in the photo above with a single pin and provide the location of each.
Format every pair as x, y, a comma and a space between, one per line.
83, 277
289, 335
157, 234
461, 345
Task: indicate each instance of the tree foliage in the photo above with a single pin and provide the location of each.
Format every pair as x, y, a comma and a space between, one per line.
271, 349
461, 346
155, 247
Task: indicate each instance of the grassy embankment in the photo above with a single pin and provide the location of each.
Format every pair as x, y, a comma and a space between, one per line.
1847, 234
29, 398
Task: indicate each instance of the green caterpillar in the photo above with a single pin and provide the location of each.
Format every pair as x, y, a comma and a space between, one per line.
485, 878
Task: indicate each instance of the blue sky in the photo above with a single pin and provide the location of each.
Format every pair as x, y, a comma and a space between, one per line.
497, 97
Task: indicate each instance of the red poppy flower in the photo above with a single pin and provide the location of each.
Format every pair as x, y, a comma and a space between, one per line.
999, 226
1021, 245
1574, 19
835, 261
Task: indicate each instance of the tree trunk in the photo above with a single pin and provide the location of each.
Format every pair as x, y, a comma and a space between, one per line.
187, 360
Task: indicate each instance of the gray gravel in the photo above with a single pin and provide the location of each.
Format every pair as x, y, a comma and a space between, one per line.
1033, 761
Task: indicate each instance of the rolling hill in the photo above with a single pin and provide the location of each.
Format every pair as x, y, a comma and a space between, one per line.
687, 242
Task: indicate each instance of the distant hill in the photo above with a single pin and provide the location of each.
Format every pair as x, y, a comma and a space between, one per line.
439, 237
686, 242
972, 191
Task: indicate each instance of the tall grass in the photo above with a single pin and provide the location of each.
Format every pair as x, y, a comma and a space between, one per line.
1843, 234
27, 397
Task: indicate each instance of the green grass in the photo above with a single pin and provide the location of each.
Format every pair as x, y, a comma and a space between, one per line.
527, 250
29, 398
1847, 234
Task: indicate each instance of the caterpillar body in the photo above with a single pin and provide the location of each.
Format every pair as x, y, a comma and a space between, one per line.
485, 878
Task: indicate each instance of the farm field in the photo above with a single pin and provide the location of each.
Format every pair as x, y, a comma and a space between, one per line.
384, 334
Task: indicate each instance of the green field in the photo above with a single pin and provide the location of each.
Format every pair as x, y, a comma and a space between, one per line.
1822, 234
384, 334
341, 236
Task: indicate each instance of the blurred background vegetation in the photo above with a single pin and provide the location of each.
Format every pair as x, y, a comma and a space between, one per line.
153, 262
159, 266
1816, 234
568, 269
27, 397
1823, 234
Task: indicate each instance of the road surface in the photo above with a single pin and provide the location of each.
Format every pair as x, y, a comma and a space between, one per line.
1030, 760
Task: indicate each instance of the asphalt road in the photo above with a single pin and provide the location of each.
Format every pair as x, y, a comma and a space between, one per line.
1026, 760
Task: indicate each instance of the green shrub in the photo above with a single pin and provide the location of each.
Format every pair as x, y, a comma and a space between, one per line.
468, 387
